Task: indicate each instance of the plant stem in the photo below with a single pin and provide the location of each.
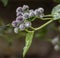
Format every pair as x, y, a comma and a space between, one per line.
48, 15
27, 30
43, 17
43, 25
34, 18
46, 18
35, 29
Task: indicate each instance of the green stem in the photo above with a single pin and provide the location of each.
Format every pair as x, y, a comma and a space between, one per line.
43, 18
42, 25
48, 15
27, 30
46, 18
34, 18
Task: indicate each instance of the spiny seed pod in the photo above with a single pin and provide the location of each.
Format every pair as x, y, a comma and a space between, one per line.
22, 27
16, 30
27, 24
20, 19
19, 14
15, 24
26, 15
19, 9
25, 7
41, 10
57, 47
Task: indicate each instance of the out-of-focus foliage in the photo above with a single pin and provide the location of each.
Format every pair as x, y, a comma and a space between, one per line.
7, 32
5, 2
58, 1
41, 33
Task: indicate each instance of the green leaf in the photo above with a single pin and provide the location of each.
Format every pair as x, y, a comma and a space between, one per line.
28, 41
5, 2
56, 12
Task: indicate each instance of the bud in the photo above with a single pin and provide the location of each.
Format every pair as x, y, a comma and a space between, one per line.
19, 14
26, 15
27, 24
16, 30
25, 7
19, 9
41, 10
20, 19
42, 15
31, 14
22, 27
15, 24
37, 13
